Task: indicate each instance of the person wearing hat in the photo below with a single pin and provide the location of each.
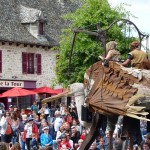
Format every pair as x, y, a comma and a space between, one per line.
137, 57
46, 138
29, 129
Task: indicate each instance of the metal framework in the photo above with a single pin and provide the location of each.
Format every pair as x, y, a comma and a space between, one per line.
101, 36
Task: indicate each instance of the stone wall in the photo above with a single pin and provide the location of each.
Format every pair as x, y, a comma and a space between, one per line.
12, 64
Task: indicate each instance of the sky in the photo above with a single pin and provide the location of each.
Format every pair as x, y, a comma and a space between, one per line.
140, 9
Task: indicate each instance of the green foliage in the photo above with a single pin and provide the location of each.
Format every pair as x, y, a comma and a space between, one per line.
87, 49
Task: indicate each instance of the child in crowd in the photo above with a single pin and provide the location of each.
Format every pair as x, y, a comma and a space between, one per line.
34, 142
64, 143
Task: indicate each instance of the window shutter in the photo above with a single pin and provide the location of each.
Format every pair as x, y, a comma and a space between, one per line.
39, 67
24, 62
31, 63
0, 61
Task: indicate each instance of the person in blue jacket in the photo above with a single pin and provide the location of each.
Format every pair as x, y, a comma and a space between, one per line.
46, 138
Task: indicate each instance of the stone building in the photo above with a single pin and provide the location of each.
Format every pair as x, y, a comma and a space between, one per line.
29, 29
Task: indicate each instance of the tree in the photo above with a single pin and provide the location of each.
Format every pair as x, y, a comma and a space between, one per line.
86, 48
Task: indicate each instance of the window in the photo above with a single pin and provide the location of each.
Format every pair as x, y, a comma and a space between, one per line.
31, 63
0, 61
41, 28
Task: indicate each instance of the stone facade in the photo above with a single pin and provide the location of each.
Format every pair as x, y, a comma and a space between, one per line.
16, 14
12, 64
19, 26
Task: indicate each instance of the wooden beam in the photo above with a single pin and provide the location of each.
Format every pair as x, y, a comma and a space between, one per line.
25, 45
87, 32
96, 124
3, 43
31, 45
37, 46
17, 44
10, 43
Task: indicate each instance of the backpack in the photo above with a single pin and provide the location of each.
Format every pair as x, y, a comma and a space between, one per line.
9, 129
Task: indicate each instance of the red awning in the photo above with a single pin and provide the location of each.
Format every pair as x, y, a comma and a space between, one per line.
47, 90
15, 92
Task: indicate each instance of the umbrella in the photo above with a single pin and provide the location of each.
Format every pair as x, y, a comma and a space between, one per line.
47, 90
15, 92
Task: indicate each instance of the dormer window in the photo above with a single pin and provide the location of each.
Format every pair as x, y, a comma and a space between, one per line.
41, 28
34, 20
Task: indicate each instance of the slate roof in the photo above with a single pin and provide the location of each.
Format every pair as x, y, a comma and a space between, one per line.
14, 14
29, 15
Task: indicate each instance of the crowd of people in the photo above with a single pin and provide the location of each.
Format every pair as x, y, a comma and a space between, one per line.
58, 128
55, 128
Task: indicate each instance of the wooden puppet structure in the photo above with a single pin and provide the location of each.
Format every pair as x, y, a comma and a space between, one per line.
110, 91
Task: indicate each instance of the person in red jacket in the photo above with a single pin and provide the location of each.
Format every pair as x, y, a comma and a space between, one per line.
64, 144
29, 129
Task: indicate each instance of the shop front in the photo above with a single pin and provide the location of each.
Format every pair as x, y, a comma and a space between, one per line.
23, 102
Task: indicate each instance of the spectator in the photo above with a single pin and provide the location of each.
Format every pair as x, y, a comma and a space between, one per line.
146, 140
22, 112
46, 138
2, 110
83, 134
118, 144
16, 146
48, 148
53, 109
106, 139
5, 131
11, 108
60, 132
69, 140
75, 136
34, 107
45, 110
15, 122
101, 145
34, 142
3, 146
58, 121
16, 110
42, 116
146, 146
67, 126
29, 129
93, 146
45, 124
79, 143
62, 109
143, 127
73, 113
75, 123
72, 104
37, 120
21, 128
64, 143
